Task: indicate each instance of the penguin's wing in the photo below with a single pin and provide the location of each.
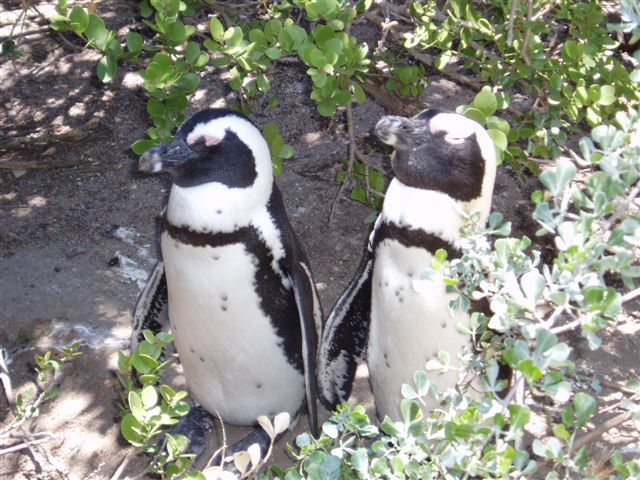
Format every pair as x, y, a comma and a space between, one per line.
346, 333
151, 310
310, 315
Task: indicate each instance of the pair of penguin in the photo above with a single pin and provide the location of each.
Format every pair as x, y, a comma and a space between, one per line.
242, 304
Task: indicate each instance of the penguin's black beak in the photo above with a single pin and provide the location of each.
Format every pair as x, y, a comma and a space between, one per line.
165, 157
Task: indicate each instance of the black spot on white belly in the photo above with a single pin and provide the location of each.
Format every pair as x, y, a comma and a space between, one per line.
202, 359
224, 297
215, 256
258, 386
192, 350
444, 324
223, 307
219, 212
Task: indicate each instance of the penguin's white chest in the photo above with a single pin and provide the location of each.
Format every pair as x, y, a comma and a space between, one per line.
410, 323
230, 353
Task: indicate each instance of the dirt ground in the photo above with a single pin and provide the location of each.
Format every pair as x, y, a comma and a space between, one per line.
79, 231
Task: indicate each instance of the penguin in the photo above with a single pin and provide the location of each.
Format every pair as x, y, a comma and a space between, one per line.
241, 300
445, 166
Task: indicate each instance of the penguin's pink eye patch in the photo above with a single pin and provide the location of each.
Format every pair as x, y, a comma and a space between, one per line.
209, 140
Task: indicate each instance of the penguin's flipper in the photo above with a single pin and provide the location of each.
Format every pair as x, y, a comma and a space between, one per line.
151, 310
344, 340
310, 315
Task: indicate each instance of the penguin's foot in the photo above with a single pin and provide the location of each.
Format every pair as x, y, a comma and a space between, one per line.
256, 436
194, 425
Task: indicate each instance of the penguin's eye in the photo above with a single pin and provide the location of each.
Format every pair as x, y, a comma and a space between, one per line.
197, 145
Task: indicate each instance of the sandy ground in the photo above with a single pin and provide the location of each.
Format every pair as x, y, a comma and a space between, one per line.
77, 243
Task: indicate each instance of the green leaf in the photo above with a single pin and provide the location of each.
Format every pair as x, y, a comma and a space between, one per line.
486, 102
155, 108
499, 139
410, 410
326, 108
79, 20
141, 146
177, 32
136, 406
607, 95
584, 406
519, 416
130, 428
106, 68
216, 28
135, 42
273, 53
286, 151
358, 93
474, 114
96, 32
330, 468
422, 383
442, 60
530, 370
149, 397
498, 123
233, 36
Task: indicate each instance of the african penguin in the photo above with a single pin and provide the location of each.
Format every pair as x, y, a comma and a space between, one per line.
445, 167
242, 303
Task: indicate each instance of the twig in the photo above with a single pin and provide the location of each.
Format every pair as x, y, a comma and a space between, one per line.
6, 379
616, 386
619, 403
25, 445
73, 135
220, 451
386, 27
627, 297
39, 164
622, 208
352, 157
601, 430
566, 328
125, 461
512, 16
527, 34
544, 10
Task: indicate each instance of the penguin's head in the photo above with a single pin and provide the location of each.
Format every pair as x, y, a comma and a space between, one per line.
213, 146
444, 152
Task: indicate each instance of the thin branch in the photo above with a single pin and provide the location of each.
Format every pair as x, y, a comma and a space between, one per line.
616, 386
527, 34
6, 379
27, 444
352, 156
544, 10
125, 462
622, 208
566, 328
72, 135
602, 429
512, 16
627, 297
